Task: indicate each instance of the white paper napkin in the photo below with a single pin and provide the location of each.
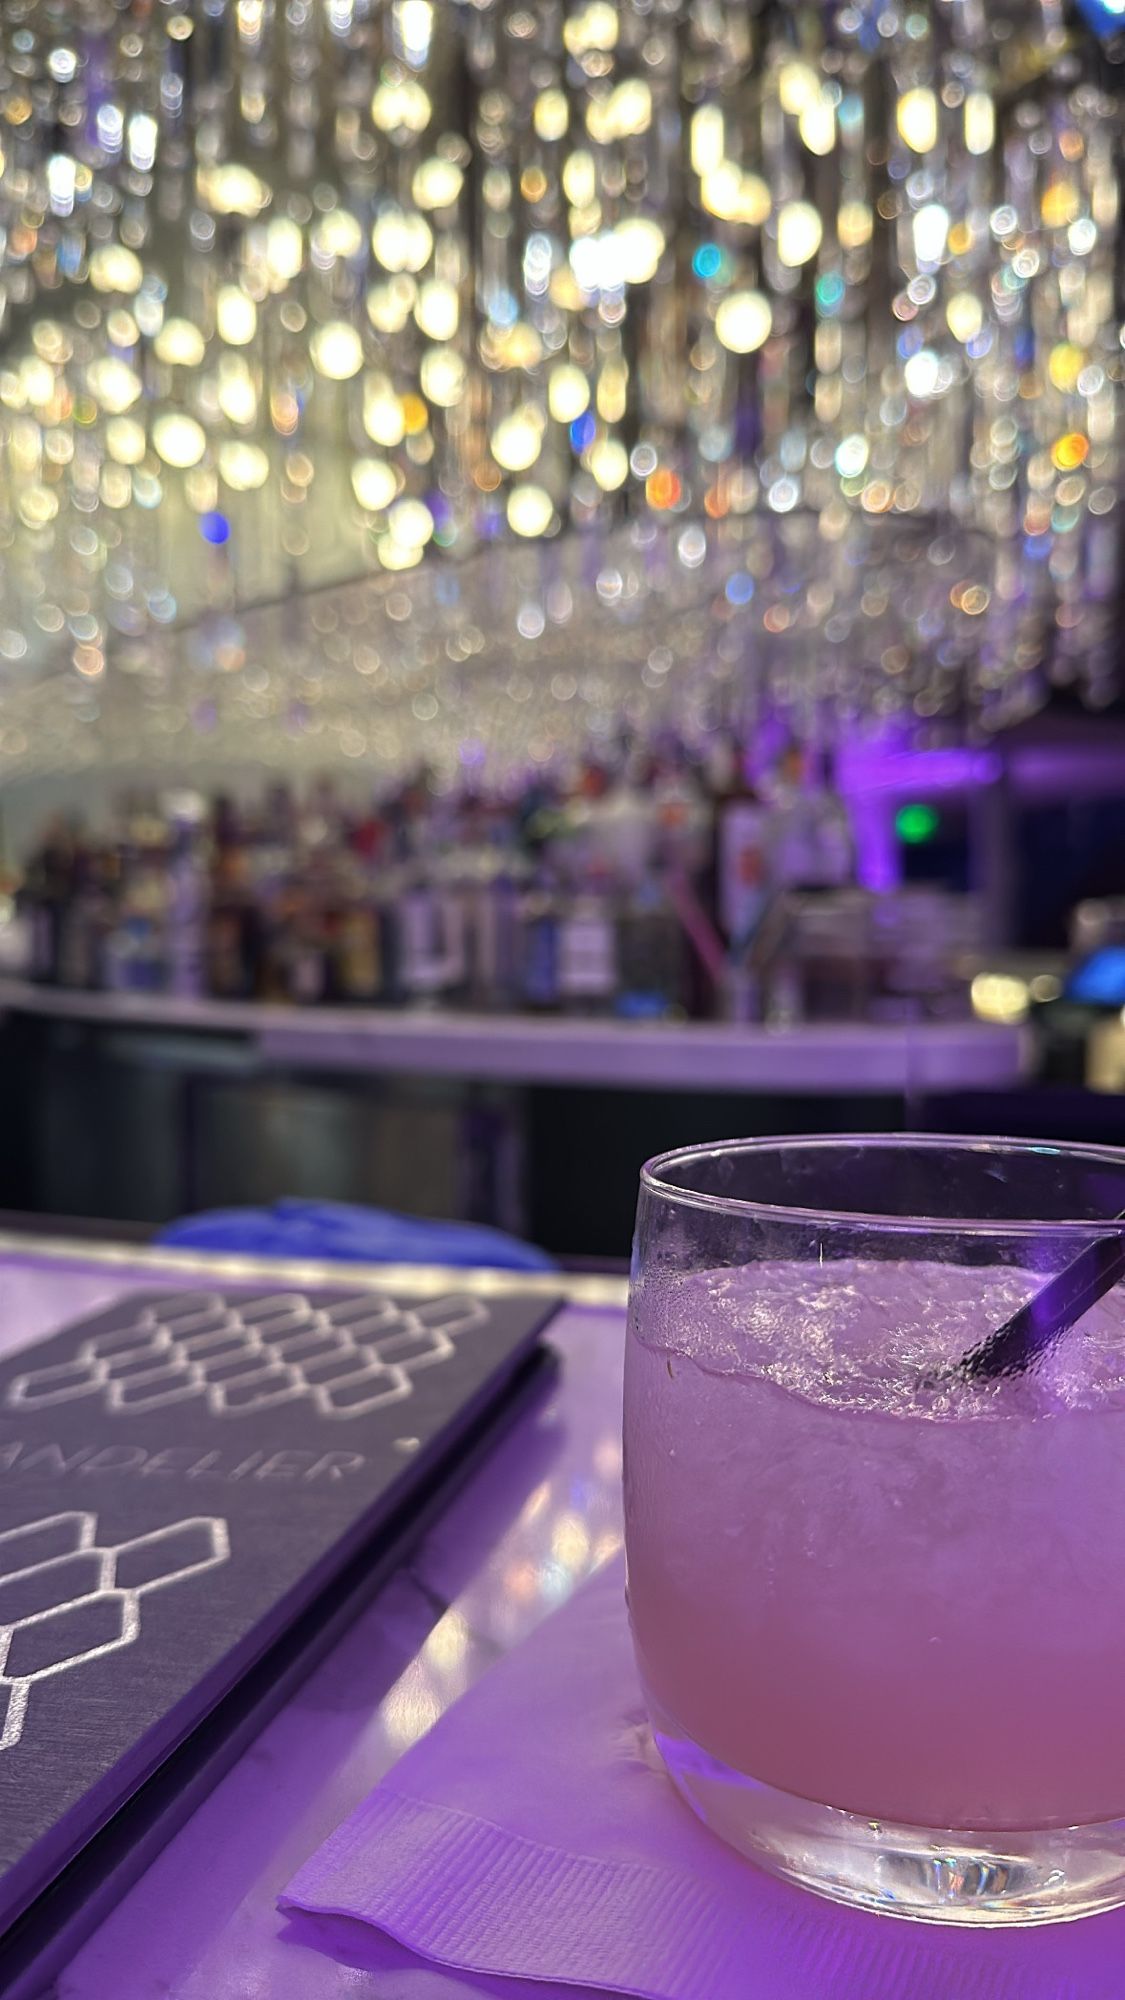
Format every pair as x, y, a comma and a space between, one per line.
533, 1836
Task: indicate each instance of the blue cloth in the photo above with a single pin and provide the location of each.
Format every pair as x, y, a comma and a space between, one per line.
343, 1232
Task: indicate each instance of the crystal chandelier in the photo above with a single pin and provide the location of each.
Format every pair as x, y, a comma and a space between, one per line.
493, 375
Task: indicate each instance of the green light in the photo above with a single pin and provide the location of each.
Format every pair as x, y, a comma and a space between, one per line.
916, 824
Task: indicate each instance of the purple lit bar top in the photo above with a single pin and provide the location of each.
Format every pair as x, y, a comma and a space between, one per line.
541, 1513
843, 1057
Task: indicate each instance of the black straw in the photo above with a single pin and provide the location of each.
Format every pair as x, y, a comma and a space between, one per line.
1022, 1340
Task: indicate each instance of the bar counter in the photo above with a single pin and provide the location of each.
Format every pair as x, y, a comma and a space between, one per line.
197, 1916
835, 1058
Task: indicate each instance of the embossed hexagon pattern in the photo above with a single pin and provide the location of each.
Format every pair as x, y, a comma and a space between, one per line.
345, 1359
67, 1599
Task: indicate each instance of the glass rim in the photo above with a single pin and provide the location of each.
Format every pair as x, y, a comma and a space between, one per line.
1081, 1227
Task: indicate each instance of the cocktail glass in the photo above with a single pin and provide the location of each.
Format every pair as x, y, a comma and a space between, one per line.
878, 1606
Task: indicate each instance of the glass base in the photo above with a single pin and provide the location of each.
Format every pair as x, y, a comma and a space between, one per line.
933, 1875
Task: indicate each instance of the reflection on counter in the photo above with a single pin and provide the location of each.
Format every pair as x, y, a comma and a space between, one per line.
568, 1526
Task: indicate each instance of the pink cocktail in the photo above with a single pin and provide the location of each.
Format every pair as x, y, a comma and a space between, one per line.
879, 1609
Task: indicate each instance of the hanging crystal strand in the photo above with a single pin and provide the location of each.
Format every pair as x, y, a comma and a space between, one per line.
872, 401
856, 335
536, 79
1017, 284
1009, 428
166, 97
41, 562
27, 100
28, 147
1100, 384
111, 443
1077, 185
277, 56
1056, 293
564, 175
353, 146
1058, 331
658, 267
986, 493
13, 617
255, 65
513, 451
369, 249
803, 97
481, 57
173, 79
175, 101
774, 406
447, 349
974, 194
73, 458
623, 129
833, 121
610, 102
491, 186
596, 462
733, 356
133, 164
214, 58
962, 325
909, 140
789, 240
554, 131
367, 150
437, 276
266, 253
526, 440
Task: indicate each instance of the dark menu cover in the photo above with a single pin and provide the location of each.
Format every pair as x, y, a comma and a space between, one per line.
179, 1477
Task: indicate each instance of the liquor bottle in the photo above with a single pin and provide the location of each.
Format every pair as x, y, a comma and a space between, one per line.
739, 877
450, 890
185, 915
15, 925
308, 945
233, 931
357, 971
83, 923
652, 952
47, 893
742, 824
811, 842
419, 941
538, 943
587, 948
133, 956
835, 839
494, 927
